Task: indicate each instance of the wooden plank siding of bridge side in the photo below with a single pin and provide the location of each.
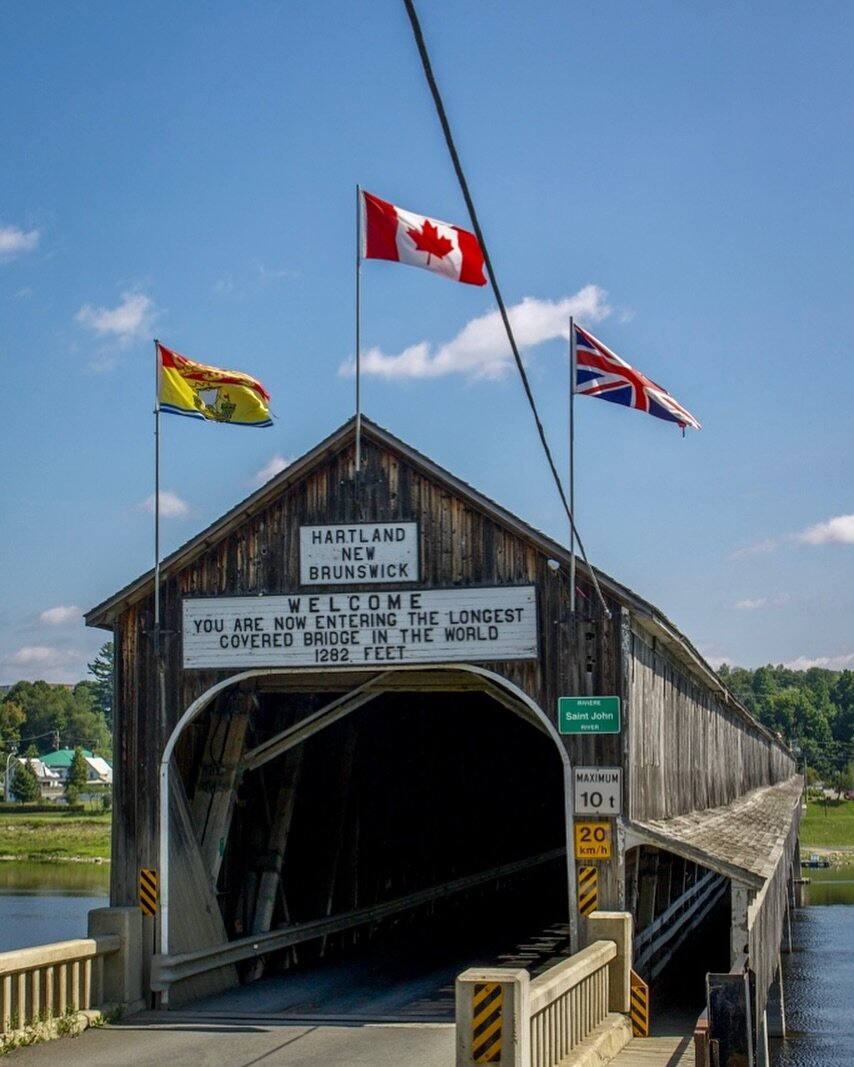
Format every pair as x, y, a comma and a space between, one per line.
688, 750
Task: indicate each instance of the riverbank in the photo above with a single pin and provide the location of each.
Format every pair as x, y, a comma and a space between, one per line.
827, 829
66, 837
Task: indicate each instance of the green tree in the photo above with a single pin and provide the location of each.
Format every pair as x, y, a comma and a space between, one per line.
25, 785
56, 714
78, 775
844, 780
842, 695
12, 717
101, 668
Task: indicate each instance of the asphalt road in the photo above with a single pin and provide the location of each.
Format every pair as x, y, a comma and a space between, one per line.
158, 1039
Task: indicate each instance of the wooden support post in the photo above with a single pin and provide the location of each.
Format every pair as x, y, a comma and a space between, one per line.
216, 789
776, 1006
346, 777
664, 883
270, 885
648, 882
730, 1019
277, 842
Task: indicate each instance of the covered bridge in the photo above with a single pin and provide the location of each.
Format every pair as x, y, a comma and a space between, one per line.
369, 708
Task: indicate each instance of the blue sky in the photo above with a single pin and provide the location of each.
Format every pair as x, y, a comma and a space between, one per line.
678, 175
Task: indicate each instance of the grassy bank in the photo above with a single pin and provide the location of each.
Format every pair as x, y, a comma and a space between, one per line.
55, 836
828, 826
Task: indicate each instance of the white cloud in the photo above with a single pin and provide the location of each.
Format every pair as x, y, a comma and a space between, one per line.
47, 663
61, 616
41, 656
751, 605
273, 274
276, 465
830, 663
171, 505
481, 349
762, 602
839, 530
132, 320
759, 548
14, 242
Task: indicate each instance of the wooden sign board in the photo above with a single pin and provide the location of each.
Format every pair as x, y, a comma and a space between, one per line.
364, 553
359, 629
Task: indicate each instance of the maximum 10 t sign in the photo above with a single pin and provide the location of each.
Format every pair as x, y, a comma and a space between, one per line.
597, 790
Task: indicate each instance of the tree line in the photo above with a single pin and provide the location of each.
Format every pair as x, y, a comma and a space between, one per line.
812, 710
37, 718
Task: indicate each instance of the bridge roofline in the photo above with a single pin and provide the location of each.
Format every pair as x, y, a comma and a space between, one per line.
105, 614
742, 840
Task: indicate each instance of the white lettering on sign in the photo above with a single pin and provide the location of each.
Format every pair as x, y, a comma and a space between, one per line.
362, 554
597, 790
349, 629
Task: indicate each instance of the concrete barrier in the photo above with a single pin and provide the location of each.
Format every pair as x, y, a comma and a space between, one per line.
574, 1013
61, 988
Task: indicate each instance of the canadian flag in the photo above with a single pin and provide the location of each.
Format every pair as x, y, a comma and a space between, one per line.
389, 232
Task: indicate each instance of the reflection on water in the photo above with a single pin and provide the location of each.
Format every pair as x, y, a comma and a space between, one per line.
818, 976
44, 902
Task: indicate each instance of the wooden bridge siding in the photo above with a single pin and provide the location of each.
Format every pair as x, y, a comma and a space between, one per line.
687, 750
766, 916
459, 545
136, 746
667, 763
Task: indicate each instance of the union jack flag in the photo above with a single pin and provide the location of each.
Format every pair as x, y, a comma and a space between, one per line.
600, 372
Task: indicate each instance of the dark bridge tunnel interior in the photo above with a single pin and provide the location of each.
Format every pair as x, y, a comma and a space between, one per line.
410, 791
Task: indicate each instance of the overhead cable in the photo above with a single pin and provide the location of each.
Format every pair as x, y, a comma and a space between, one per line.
452, 149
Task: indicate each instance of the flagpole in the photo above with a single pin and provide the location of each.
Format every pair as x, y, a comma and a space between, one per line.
358, 341
161, 930
572, 375
157, 502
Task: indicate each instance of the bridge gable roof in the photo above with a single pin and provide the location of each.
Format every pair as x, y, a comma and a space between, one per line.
742, 840
645, 614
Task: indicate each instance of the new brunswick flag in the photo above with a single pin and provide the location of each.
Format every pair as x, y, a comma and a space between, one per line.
202, 392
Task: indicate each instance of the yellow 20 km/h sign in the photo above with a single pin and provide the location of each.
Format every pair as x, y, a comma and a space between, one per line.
593, 840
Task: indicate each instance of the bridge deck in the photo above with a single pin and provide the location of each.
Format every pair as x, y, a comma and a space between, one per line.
657, 1052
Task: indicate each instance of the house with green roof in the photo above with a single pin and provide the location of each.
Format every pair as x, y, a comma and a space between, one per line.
100, 772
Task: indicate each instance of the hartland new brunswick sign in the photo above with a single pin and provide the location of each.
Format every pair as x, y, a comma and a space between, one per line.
359, 628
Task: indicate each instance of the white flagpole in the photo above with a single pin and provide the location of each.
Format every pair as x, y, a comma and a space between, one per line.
572, 374
358, 339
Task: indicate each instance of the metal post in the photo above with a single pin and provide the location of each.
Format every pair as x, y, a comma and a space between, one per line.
572, 373
358, 343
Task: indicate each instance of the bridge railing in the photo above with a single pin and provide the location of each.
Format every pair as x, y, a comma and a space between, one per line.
60, 988
51, 984
505, 1017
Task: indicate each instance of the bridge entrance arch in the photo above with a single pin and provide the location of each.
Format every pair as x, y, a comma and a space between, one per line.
436, 795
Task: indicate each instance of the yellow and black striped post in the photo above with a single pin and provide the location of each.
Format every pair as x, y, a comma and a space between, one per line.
487, 1020
588, 890
148, 891
639, 1012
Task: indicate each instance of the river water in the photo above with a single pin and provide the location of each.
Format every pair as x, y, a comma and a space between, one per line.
44, 902
818, 976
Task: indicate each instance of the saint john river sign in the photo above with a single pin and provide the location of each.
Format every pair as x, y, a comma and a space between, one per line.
588, 715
